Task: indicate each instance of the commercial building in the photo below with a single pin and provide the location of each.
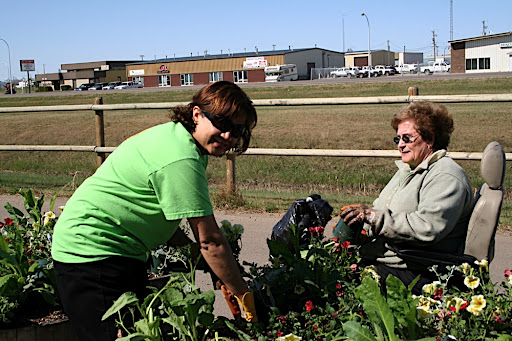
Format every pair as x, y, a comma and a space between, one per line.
488, 53
360, 58
79, 73
235, 67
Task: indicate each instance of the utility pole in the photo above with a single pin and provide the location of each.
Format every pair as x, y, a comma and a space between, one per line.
388, 54
451, 19
434, 42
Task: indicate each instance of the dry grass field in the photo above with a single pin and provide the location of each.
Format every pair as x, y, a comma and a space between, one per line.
264, 182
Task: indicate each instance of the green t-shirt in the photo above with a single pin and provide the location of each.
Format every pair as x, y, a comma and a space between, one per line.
136, 199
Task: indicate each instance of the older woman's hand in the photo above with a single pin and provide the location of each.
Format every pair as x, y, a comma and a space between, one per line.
357, 214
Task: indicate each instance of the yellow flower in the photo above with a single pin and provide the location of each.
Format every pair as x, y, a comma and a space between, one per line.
61, 208
48, 216
431, 288
472, 282
423, 306
483, 264
371, 270
464, 268
478, 303
289, 337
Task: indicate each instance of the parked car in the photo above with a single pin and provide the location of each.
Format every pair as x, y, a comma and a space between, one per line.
111, 85
349, 72
436, 67
385, 70
128, 85
369, 71
97, 86
409, 68
84, 87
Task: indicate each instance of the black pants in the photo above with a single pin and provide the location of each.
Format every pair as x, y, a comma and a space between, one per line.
88, 290
406, 276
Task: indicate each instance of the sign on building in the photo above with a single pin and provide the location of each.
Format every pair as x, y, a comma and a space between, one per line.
27, 65
255, 62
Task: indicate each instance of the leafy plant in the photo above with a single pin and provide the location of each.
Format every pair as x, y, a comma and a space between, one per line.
27, 277
179, 305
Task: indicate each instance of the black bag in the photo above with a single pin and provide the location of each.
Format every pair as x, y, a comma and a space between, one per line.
303, 214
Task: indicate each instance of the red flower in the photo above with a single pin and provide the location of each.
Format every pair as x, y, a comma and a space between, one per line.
282, 319
497, 319
30, 261
438, 294
309, 305
508, 273
345, 244
279, 334
7, 239
338, 286
8, 221
315, 328
465, 305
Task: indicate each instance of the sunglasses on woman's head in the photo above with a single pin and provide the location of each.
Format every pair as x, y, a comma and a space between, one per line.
225, 124
405, 138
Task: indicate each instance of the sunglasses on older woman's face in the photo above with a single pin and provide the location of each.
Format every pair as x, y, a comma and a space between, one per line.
225, 124
405, 138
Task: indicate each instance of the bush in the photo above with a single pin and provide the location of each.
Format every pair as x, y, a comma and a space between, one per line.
44, 89
66, 88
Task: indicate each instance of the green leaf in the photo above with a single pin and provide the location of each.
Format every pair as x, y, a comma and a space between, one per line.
376, 306
402, 304
280, 249
243, 336
357, 332
124, 300
52, 201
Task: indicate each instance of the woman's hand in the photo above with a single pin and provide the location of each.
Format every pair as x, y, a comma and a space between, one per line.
358, 214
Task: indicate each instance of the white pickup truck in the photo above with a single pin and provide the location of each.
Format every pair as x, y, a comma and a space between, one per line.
436, 67
385, 70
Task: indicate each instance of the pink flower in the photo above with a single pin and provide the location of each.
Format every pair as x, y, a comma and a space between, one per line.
508, 273
353, 267
309, 305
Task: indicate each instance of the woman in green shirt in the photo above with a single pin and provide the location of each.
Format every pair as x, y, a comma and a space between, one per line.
135, 202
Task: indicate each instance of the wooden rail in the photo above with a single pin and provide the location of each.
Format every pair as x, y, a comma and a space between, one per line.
98, 107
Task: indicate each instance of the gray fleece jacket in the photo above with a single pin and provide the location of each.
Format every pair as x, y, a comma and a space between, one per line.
428, 207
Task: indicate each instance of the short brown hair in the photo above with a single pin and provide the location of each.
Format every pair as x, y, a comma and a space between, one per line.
224, 99
433, 122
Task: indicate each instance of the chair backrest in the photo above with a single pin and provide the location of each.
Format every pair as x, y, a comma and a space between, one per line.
486, 212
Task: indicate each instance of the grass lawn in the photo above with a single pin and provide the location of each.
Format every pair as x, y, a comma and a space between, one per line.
265, 182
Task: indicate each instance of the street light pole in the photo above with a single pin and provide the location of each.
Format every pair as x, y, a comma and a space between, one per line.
9, 52
369, 50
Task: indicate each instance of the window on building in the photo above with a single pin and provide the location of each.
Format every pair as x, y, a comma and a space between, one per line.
215, 76
240, 76
484, 63
138, 80
164, 80
472, 64
187, 79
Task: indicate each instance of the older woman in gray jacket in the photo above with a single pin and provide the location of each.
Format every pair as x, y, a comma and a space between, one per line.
428, 202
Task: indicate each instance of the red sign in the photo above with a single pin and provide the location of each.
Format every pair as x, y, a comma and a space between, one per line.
27, 65
163, 69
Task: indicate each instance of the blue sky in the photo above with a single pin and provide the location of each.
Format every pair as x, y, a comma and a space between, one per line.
57, 32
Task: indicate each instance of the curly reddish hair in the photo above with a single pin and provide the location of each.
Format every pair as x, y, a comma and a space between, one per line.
433, 122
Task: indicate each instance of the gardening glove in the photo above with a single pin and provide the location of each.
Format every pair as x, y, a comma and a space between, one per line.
248, 307
231, 301
354, 215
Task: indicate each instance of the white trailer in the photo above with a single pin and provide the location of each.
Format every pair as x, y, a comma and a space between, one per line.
279, 73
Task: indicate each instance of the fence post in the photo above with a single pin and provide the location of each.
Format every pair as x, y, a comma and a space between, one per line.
100, 131
413, 91
230, 173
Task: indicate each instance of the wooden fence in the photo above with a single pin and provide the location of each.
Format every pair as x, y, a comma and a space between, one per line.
98, 107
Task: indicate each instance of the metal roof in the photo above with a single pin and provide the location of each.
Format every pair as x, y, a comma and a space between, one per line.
228, 55
481, 37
